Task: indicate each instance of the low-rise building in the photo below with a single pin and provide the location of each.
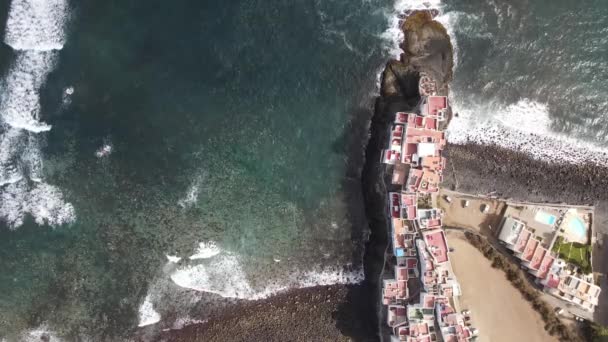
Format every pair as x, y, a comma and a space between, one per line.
435, 107
550, 271
452, 325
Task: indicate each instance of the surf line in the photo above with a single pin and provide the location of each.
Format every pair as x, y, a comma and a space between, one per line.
35, 31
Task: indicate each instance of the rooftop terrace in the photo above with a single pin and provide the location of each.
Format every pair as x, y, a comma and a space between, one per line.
437, 245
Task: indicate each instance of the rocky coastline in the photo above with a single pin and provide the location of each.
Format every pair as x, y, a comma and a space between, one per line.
495, 171
426, 49
346, 312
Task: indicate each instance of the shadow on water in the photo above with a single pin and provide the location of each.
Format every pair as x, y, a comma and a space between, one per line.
359, 316
355, 317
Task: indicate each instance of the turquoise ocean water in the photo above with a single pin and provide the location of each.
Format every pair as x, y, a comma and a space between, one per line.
134, 130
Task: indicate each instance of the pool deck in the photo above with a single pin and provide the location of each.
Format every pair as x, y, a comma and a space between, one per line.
486, 213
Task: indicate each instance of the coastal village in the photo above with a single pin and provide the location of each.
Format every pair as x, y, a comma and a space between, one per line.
421, 293
420, 290
552, 243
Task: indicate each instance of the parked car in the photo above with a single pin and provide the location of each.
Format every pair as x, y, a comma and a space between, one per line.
466, 312
465, 203
485, 208
448, 199
559, 310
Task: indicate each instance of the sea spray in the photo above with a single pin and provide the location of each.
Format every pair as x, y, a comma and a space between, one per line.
35, 30
539, 95
524, 126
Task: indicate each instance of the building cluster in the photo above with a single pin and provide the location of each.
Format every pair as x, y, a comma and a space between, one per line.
532, 238
420, 293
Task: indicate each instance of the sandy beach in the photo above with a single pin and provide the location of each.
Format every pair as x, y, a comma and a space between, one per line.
497, 308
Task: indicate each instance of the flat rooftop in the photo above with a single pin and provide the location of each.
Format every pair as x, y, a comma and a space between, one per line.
537, 258
437, 245
545, 266
522, 240
435, 104
530, 248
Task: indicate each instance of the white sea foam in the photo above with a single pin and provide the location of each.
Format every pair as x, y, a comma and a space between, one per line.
34, 28
104, 151
184, 321
42, 333
194, 190
36, 25
524, 126
20, 105
43, 201
173, 258
147, 314
10, 169
32, 159
205, 250
223, 274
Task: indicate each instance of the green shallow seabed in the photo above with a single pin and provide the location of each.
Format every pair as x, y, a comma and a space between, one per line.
250, 101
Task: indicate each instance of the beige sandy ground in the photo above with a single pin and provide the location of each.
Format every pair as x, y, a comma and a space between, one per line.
497, 308
472, 217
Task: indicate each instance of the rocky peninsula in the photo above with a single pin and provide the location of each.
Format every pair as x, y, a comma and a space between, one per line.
343, 312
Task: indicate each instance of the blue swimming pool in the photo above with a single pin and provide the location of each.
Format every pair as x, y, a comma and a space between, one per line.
545, 218
577, 226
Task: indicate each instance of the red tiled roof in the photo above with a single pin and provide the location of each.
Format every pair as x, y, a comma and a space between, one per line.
545, 266
537, 258
524, 235
437, 244
436, 103
553, 281
530, 248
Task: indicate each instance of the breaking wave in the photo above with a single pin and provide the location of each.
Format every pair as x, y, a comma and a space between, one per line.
36, 25
524, 126
223, 275
42, 333
206, 250
147, 314
521, 123
34, 29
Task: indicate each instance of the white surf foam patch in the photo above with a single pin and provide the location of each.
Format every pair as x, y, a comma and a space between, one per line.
147, 314
524, 126
20, 105
104, 151
184, 321
10, 170
34, 29
32, 158
66, 97
194, 190
43, 201
205, 250
36, 25
394, 35
224, 276
42, 333
173, 258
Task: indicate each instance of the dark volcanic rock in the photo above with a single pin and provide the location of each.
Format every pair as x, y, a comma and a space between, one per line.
299, 315
345, 313
427, 48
